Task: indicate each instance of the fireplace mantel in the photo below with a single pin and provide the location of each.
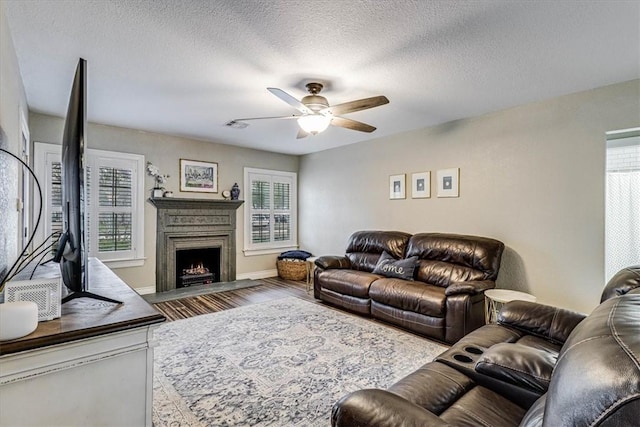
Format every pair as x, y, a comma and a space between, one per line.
180, 203
194, 223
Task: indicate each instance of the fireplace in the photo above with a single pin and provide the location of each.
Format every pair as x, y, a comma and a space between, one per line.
202, 229
197, 267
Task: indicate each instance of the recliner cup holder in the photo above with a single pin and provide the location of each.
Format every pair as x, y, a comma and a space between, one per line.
462, 358
473, 350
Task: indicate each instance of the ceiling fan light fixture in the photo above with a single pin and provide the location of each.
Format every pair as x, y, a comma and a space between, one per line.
314, 123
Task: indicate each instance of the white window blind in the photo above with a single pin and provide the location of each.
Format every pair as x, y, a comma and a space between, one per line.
270, 210
622, 203
114, 193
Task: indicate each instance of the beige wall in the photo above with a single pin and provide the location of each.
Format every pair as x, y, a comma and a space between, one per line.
13, 106
165, 151
531, 176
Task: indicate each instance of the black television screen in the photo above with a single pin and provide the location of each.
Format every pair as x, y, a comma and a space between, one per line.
72, 251
74, 256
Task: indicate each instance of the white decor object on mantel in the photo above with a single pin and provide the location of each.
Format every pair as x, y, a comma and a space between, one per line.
17, 319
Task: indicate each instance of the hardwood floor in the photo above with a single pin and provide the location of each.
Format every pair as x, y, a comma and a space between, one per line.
270, 289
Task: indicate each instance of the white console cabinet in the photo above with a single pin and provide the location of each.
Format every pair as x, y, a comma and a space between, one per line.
91, 367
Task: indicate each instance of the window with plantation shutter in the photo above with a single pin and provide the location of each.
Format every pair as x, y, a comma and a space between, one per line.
115, 197
55, 199
270, 211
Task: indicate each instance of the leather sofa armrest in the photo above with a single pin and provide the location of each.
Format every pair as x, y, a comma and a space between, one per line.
622, 282
380, 408
548, 322
517, 364
471, 287
331, 261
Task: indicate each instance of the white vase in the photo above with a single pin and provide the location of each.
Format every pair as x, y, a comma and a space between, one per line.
17, 319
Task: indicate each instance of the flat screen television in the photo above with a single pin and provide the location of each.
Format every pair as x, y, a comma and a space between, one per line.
72, 248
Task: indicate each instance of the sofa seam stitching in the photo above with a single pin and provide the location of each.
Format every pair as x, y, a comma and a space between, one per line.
473, 415
606, 412
618, 339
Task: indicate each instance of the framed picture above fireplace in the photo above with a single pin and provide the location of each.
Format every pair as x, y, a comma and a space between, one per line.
198, 177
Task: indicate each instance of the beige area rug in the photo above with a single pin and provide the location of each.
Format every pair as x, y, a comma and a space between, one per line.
277, 363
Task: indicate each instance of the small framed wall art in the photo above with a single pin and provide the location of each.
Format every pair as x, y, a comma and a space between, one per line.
397, 187
421, 185
198, 177
448, 182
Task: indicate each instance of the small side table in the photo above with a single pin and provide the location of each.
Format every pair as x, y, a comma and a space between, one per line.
311, 265
496, 298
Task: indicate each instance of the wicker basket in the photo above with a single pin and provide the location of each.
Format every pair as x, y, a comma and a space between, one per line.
292, 270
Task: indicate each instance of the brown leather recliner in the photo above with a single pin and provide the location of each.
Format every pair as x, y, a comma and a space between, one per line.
444, 297
539, 366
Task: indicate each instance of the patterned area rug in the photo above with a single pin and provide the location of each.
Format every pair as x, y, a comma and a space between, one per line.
277, 363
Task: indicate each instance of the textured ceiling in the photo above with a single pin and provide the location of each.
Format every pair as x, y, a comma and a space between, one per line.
187, 67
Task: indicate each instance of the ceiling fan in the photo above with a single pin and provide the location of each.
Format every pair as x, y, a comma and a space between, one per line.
317, 114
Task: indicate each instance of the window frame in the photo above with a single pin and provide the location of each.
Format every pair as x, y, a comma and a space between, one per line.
272, 246
46, 153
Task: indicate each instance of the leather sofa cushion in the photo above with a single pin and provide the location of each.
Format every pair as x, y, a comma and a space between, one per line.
363, 261
483, 407
355, 304
430, 326
443, 274
471, 252
434, 387
518, 364
411, 296
453, 396
434, 395
347, 282
364, 247
379, 408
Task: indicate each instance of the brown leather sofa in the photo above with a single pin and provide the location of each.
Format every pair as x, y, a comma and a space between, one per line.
538, 366
442, 299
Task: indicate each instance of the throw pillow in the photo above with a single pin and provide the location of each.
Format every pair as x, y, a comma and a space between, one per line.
303, 255
400, 268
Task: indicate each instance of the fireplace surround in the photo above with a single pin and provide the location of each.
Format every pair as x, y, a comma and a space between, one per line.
185, 224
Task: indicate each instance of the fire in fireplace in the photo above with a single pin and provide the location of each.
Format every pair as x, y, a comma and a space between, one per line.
197, 267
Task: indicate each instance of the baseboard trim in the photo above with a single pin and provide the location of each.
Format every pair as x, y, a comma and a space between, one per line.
146, 290
257, 275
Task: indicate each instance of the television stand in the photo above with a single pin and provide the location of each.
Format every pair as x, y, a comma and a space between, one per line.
85, 294
92, 366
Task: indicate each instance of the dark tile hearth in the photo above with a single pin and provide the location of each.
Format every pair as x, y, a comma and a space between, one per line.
192, 291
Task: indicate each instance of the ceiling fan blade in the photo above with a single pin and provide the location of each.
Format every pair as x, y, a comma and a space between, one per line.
301, 134
265, 118
352, 124
289, 100
360, 104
